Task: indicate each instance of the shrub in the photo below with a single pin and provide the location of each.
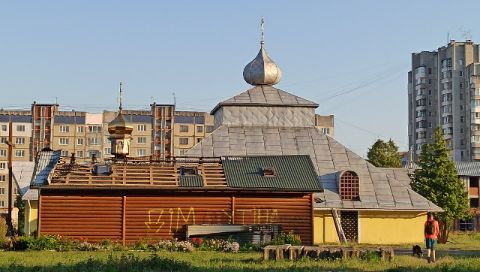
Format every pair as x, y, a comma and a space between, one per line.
3, 230
174, 245
286, 238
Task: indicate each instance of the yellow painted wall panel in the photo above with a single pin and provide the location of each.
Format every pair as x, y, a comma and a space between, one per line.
324, 228
31, 217
388, 227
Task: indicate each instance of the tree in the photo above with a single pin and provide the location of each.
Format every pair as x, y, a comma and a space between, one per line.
384, 154
436, 179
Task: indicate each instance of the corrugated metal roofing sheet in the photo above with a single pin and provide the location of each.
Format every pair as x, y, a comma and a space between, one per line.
191, 181
291, 172
471, 169
46, 162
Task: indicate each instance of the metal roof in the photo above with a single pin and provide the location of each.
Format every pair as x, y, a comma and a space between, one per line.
22, 175
379, 189
65, 119
290, 172
190, 181
465, 168
45, 163
265, 95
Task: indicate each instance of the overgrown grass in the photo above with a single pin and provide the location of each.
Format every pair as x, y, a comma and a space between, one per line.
210, 261
462, 240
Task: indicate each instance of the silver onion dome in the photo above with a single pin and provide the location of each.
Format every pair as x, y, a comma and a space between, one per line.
262, 70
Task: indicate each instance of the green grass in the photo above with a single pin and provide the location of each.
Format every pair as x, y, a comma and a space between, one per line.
30, 261
210, 261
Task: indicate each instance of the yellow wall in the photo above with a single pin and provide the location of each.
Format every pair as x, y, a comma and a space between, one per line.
383, 227
324, 228
31, 216
375, 227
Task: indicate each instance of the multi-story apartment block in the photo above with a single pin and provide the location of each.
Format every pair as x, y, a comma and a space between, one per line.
326, 123
21, 132
190, 128
443, 92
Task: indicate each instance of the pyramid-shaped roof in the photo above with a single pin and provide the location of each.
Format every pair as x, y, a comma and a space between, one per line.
265, 95
379, 189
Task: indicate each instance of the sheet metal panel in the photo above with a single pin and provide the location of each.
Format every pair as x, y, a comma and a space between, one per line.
151, 217
91, 218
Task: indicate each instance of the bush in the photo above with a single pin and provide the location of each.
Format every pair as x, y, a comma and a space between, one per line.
3, 230
216, 245
174, 245
286, 238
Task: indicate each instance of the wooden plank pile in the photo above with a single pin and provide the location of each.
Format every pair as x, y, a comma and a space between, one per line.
282, 252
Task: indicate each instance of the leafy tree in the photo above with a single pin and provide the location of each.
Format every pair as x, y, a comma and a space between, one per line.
437, 180
384, 154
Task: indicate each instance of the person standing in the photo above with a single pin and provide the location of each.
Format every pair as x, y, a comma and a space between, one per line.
431, 231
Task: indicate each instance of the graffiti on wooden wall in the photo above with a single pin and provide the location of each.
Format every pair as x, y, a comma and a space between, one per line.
173, 219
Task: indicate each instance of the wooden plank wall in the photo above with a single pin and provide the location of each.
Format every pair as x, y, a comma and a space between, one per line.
82, 217
133, 217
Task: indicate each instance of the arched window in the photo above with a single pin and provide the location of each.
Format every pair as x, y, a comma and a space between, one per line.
349, 186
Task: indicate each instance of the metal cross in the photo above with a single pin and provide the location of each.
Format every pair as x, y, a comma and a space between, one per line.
262, 22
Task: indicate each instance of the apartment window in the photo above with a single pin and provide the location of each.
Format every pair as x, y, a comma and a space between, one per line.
64, 129
93, 141
108, 150
94, 129
461, 85
199, 129
183, 128
21, 128
3, 177
79, 141
142, 127
199, 140
461, 96
461, 107
325, 130
462, 119
462, 143
429, 71
79, 154
63, 141
64, 153
2, 204
2, 165
429, 81
183, 141
19, 153
141, 152
209, 129
429, 92
4, 127
3, 140
20, 141
3, 153
476, 139
95, 153
142, 140
2, 191
460, 73
80, 129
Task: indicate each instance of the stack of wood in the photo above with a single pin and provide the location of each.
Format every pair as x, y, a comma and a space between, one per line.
281, 252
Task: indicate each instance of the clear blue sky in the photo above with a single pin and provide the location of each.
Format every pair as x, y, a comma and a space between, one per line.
78, 51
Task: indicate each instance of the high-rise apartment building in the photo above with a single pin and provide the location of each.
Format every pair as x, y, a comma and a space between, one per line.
444, 92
